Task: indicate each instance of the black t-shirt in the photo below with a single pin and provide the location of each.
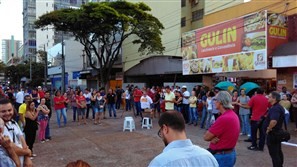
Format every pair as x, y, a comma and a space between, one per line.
157, 98
110, 98
276, 112
119, 93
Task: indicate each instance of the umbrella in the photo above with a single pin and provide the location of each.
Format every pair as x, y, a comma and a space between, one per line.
248, 86
225, 85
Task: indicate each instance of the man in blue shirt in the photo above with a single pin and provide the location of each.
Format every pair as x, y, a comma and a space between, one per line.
179, 150
274, 122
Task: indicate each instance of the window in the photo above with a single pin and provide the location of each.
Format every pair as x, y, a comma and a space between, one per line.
183, 3
194, 3
183, 22
46, 5
197, 15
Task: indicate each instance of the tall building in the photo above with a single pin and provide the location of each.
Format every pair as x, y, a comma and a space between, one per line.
48, 37
10, 49
29, 32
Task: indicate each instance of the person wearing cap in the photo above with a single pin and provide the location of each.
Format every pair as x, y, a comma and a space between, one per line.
224, 133
179, 150
169, 99
186, 105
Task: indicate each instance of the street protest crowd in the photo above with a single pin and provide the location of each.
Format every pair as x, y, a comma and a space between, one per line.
225, 115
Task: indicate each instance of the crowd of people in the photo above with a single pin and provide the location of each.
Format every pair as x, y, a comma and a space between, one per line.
225, 116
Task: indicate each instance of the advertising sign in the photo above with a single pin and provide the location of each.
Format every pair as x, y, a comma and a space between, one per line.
277, 31
235, 45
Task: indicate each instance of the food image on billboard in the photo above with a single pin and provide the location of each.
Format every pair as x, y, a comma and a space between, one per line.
255, 22
200, 66
234, 45
275, 19
246, 61
189, 52
188, 38
217, 64
254, 41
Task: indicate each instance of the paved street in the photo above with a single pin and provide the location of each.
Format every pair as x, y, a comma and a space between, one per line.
107, 145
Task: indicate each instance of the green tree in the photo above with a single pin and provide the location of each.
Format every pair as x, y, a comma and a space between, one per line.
15, 73
102, 27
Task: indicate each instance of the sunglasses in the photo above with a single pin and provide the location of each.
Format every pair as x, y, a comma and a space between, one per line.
159, 132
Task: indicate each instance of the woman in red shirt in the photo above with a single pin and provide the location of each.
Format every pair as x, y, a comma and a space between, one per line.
60, 107
81, 107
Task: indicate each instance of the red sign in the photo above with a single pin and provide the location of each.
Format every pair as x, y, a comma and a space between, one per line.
220, 39
277, 31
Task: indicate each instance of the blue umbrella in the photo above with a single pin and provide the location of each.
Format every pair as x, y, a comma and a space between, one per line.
225, 85
248, 86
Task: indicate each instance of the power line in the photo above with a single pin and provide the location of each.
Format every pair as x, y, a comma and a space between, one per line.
197, 41
277, 3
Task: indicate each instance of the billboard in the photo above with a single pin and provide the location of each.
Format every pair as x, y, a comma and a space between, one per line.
235, 45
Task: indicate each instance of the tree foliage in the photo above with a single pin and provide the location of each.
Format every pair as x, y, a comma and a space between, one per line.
102, 27
16, 72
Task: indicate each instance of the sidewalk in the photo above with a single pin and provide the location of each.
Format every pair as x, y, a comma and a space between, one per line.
107, 145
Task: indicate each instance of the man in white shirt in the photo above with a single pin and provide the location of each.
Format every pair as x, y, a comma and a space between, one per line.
13, 131
19, 99
186, 105
145, 101
169, 99
88, 96
179, 150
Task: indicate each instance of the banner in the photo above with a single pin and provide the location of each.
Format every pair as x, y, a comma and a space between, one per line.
277, 31
235, 45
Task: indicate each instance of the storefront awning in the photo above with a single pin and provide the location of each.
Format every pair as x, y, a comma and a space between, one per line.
285, 55
286, 49
157, 65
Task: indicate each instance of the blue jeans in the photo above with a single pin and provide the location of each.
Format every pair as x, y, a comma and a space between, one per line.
74, 112
193, 115
95, 109
204, 114
118, 103
245, 124
138, 107
128, 105
178, 108
47, 129
112, 107
63, 112
208, 118
186, 111
226, 160
287, 117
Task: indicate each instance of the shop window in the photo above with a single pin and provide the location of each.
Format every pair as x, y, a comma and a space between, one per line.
197, 15
183, 22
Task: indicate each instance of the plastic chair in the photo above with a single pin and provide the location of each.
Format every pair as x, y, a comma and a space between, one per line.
129, 124
147, 123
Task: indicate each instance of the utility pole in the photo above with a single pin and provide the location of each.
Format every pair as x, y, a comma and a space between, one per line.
63, 66
84, 64
30, 59
45, 70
